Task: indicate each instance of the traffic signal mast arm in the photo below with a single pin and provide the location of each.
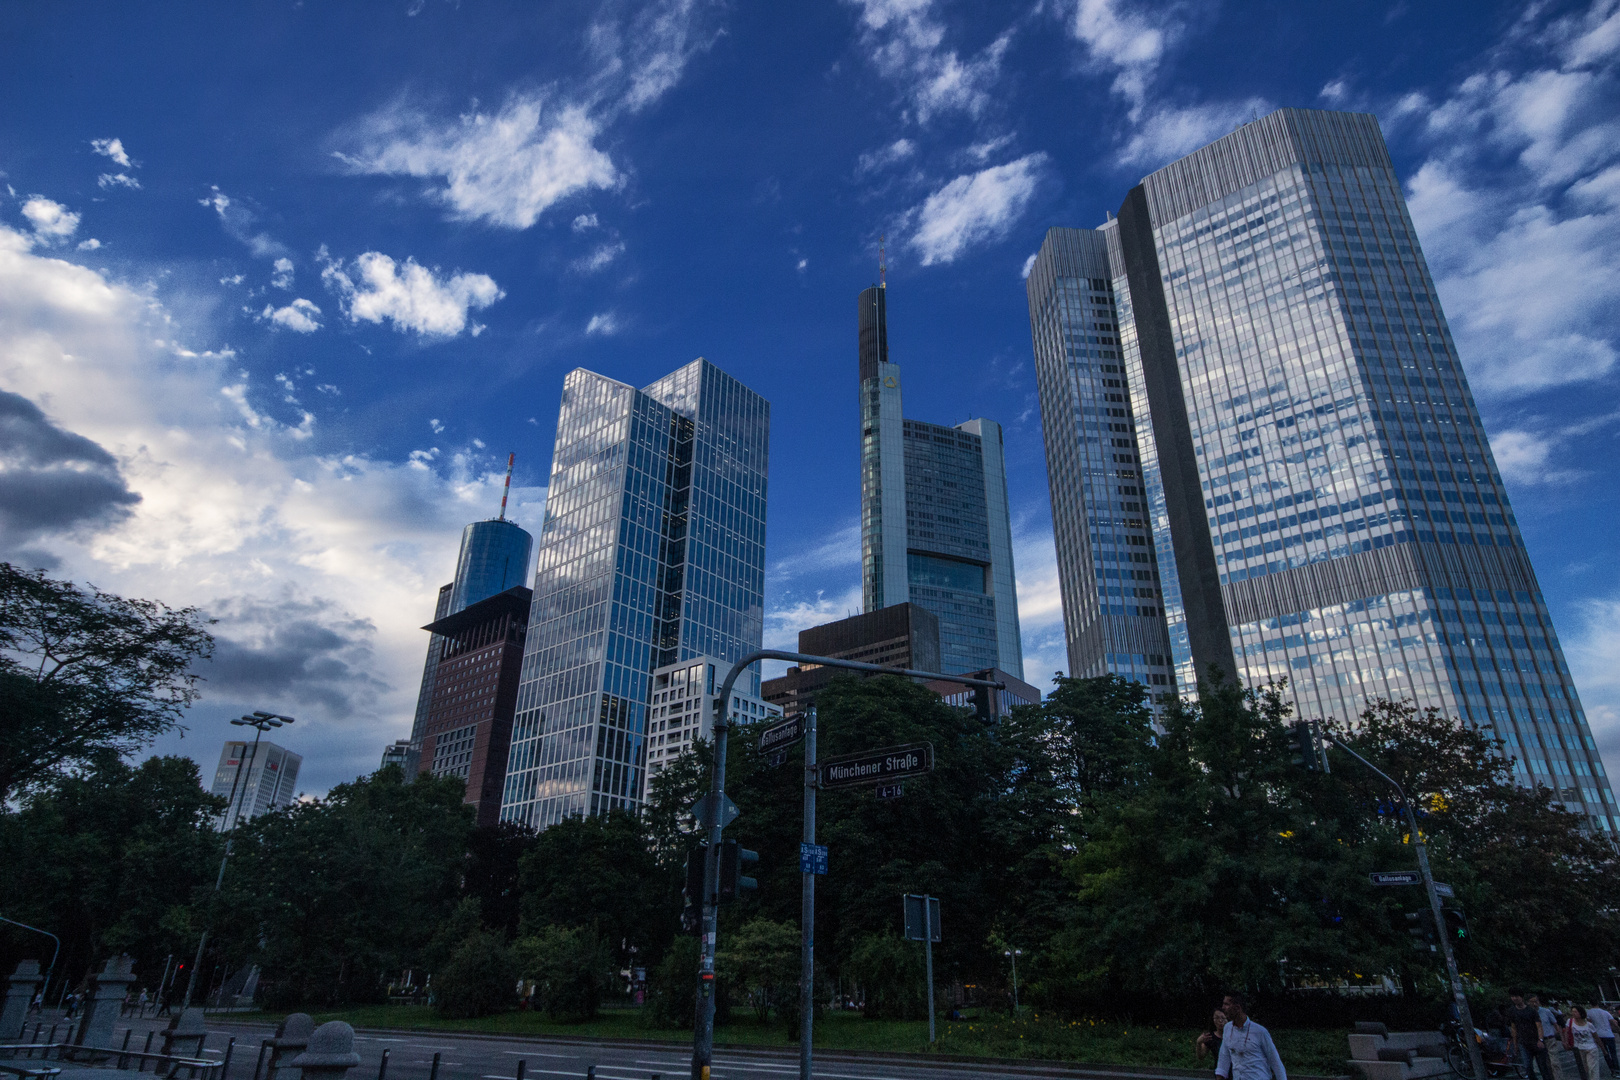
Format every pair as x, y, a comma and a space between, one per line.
703, 1035
1463, 1012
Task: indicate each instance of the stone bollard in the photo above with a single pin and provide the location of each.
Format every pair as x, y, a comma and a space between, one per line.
24, 984
291, 1039
105, 1001
331, 1053
185, 1035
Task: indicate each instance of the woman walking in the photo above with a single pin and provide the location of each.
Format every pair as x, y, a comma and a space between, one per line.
1580, 1035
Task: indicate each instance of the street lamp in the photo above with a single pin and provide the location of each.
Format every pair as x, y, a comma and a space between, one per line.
1014, 954
261, 722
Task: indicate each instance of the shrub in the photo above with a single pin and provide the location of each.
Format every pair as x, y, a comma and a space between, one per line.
890, 973
570, 969
480, 978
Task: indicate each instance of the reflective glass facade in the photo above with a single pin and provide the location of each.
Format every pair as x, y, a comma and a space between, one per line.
1325, 503
935, 529
652, 551
494, 557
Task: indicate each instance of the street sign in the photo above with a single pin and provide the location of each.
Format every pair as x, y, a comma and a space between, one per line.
780, 736
915, 917
728, 810
812, 858
891, 791
1444, 890
1396, 877
878, 766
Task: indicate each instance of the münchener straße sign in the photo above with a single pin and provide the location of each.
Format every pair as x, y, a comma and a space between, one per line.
878, 766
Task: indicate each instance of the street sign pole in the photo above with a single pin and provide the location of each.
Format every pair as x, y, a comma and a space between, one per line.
703, 1024
807, 913
928, 960
1464, 1015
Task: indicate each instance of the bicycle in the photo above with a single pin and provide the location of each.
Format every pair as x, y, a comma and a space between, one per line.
1499, 1064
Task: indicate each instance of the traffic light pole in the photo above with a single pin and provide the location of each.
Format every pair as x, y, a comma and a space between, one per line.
1464, 1016
703, 1027
807, 905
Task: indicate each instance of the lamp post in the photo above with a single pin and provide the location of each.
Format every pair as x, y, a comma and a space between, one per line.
1014, 954
261, 722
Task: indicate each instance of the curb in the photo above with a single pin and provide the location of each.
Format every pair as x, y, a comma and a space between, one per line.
953, 1061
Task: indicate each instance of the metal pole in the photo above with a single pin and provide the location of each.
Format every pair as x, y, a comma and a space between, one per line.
807, 913
1465, 1016
382, 1069
202, 943
433, 1073
703, 1027
46, 989
1015, 981
928, 954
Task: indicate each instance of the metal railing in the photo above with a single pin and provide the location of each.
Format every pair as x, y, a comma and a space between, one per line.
166, 1065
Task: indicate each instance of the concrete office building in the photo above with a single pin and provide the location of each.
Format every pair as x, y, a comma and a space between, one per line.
652, 553
1246, 377
935, 529
467, 729
904, 636
254, 779
680, 707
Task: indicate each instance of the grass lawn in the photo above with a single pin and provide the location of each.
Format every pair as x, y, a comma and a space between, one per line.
1321, 1052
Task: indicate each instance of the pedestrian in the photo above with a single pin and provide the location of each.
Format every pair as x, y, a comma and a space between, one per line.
1603, 1020
1526, 1044
1247, 1052
1580, 1035
1209, 1043
38, 1004
141, 1002
1552, 1034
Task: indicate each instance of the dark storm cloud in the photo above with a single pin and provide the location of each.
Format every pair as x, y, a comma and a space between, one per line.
291, 654
53, 480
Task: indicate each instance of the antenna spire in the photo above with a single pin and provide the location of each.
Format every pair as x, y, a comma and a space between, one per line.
507, 489
883, 264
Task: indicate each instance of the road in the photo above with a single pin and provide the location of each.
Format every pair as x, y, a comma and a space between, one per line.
494, 1057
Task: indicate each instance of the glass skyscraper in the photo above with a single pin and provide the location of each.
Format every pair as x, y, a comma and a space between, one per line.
935, 530
652, 552
1278, 421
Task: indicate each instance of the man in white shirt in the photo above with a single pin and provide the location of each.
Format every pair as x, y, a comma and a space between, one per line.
1603, 1020
1247, 1052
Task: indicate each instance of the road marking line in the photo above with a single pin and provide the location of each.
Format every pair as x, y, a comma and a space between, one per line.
537, 1053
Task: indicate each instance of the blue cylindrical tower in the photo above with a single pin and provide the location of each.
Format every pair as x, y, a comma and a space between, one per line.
494, 558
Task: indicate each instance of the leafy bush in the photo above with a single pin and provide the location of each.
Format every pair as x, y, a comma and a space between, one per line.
672, 986
891, 974
570, 968
760, 963
480, 978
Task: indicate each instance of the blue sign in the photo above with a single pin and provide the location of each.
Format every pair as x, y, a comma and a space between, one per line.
812, 858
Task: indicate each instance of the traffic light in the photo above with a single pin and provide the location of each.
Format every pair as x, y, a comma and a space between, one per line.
1302, 746
984, 704
1422, 930
691, 912
732, 858
1456, 925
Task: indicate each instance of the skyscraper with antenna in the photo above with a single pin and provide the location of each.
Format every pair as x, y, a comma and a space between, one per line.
935, 529
464, 710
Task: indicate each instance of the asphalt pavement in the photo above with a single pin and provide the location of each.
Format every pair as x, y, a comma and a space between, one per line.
495, 1057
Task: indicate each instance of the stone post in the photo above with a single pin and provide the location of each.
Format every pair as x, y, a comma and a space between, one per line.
331, 1053
291, 1039
24, 984
185, 1034
105, 1002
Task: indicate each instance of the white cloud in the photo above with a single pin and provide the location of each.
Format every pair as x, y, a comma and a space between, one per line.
1040, 604
643, 58
605, 324
600, 258
300, 315
412, 296
1527, 258
234, 279
112, 180
1128, 39
881, 158
906, 43
1029, 264
51, 220
506, 169
1168, 133
282, 275
974, 208
316, 563
584, 222
112, 148
238, 222
1594, 661
89, 245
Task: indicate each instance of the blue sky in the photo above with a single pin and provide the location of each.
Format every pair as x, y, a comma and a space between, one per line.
281, 284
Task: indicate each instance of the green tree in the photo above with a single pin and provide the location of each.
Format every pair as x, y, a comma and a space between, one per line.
87, 676
760, 961
891, 975
600, 872
571, 969
672, 986
479, 979
329, 894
